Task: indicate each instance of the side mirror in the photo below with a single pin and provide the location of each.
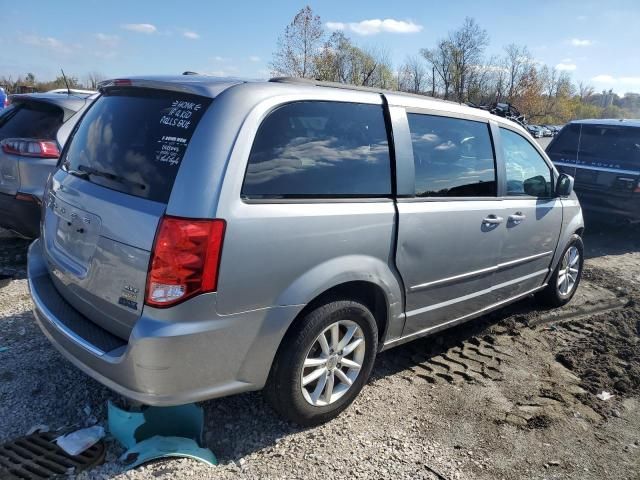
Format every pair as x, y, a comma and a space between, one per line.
536, 186
564, 187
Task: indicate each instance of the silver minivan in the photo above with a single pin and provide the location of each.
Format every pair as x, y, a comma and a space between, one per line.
204, 237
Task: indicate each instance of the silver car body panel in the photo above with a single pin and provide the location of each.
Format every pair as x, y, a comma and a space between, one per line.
433, 260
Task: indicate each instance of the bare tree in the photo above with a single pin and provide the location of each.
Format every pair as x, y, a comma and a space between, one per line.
342, 61
93, 79
467, 46
517, 63
298, 47
441, 60
413, 75
585, 91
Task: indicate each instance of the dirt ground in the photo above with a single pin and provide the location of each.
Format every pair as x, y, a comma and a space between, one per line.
509, 396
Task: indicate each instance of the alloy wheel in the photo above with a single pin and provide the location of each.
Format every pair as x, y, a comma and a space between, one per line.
333, 363
569, 270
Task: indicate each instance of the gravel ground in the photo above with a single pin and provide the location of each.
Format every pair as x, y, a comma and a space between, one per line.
511, 395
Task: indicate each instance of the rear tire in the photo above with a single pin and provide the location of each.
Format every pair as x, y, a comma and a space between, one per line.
318, 392
564, 282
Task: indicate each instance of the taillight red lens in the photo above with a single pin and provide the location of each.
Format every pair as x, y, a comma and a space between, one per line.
184, 260
31, 148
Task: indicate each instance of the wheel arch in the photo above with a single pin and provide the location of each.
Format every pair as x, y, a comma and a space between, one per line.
357, 277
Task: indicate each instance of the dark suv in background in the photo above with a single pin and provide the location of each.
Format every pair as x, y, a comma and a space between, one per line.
33, 129
604, 158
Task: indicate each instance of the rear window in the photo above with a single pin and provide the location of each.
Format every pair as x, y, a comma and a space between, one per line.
133, 140
31, 120
565, 144
610, 144
320, 149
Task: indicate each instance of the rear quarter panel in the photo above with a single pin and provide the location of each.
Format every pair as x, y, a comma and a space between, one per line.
286, 253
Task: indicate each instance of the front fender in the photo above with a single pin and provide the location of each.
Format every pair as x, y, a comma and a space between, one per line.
572, 221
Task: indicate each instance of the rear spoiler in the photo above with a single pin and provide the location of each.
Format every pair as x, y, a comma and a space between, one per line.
187, 86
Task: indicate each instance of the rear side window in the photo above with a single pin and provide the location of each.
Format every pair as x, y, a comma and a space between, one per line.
133, 140
320, 149
610, 145
565, 144
36, 120
453, 157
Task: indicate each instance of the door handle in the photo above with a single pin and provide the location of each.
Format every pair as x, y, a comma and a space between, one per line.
517, 218
492, 220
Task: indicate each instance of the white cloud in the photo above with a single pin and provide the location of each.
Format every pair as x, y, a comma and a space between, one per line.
109, 41
49, 43
630, 81
254, 58
621, 84
603, 79
191, 35
577, 42
376, 25
218, 58
140, 27
566, 67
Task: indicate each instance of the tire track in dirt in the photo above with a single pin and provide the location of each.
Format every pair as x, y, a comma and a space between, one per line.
473, 360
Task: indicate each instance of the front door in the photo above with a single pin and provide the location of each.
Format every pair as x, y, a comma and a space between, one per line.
449, 232
533, 217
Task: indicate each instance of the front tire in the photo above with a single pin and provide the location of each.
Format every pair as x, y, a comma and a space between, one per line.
323, 363
564, 282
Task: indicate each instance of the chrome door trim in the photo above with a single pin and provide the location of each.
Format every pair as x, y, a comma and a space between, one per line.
598, 169
421, 333
482, 271
476, 294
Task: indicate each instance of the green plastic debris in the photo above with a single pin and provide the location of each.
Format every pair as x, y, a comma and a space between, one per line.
156, 432
161, 447
123, 424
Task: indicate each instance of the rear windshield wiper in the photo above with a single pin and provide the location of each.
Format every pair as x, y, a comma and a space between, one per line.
86, 172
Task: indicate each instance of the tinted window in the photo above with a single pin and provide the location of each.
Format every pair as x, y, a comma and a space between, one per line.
610, 144
320, 149
527, 172
31, 120
133, 140
565, 144
453, 157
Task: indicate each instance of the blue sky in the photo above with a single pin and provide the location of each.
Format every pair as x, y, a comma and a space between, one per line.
595, 41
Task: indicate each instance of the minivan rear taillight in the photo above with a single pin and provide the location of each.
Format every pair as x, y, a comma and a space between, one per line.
31, 148
184, 261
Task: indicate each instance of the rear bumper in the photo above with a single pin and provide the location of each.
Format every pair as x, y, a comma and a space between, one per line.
20, 216
606, 204
164, 362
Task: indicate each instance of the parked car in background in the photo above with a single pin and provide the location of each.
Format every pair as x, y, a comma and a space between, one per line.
32, 130
535, 131
204, 237
4, 99
604, 158
547, 130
